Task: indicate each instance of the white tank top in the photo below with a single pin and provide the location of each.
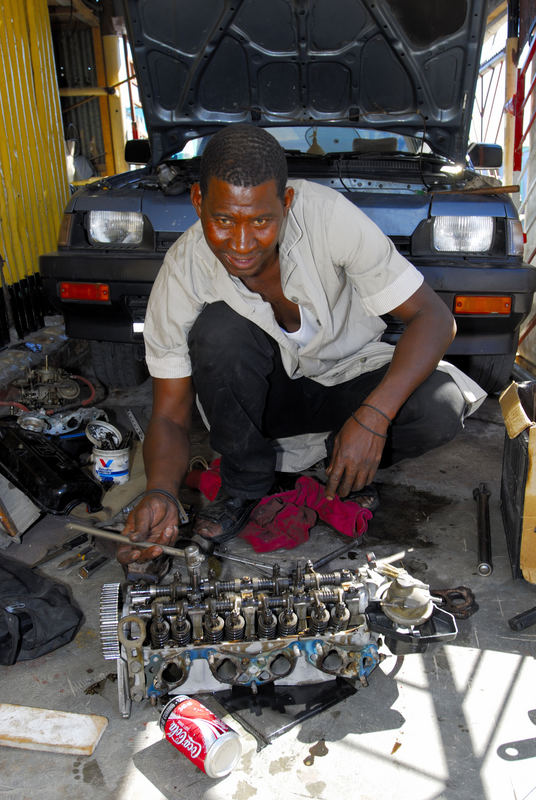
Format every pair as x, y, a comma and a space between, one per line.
307, 329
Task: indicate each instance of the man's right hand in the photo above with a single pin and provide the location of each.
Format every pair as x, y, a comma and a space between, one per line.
154, 519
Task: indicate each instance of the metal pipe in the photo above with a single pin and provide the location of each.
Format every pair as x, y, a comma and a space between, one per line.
120, 539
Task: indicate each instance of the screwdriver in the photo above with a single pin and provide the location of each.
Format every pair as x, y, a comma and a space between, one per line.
117, 537
80, 556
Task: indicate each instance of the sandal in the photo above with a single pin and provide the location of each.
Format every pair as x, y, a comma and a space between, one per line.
224, 518
367, 497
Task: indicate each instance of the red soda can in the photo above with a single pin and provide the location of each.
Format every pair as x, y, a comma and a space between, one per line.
200, 735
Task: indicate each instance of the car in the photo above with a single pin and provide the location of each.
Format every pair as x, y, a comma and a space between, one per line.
373, 99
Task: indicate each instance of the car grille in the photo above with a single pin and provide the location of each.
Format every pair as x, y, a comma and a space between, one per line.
165, 240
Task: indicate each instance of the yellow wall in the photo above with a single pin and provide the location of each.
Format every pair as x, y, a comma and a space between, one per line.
33, 176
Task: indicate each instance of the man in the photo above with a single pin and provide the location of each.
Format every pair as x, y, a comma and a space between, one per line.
269, 310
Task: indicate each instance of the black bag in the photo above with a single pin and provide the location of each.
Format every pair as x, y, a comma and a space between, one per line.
36, 614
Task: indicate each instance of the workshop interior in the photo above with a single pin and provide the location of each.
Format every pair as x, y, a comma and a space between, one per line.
382, 649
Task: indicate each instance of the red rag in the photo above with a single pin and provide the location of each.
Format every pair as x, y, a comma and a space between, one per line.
274, 524
207, 481
344, 515
270, 528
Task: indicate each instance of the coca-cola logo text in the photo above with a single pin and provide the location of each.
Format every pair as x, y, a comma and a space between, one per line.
179, 736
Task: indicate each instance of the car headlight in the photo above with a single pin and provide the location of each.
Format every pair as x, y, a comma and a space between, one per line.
115, 227
463, 234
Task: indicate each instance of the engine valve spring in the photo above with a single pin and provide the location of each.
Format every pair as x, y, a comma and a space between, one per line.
267, 626
234, 627
181, 631
159, 633
319, 619
340, 617
213, 629
287, 623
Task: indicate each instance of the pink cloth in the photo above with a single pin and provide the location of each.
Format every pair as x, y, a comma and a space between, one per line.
284, 519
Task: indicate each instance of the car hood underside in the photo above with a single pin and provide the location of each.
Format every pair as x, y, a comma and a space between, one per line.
402, 65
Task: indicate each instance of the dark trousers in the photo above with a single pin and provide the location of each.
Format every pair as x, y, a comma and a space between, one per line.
249, 400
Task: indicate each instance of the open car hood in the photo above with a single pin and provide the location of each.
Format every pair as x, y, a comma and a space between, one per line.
405, 66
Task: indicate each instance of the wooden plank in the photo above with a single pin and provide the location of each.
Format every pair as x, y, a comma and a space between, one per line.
31, 728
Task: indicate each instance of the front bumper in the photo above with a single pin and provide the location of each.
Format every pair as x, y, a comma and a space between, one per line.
131, 276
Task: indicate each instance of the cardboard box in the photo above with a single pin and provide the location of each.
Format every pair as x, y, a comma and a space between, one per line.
518, 481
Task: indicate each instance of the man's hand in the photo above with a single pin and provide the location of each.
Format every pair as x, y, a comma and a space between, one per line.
356, 454
154, 519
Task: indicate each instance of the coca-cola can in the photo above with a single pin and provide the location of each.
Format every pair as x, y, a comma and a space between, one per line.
201, 736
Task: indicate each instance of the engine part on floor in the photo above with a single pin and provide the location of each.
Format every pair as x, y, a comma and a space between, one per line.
482, 495
196, 633
51, 388
191, 552
460, 602
43, 471
523, 620
61, 422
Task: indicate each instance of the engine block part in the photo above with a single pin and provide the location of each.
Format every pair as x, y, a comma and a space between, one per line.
196, 633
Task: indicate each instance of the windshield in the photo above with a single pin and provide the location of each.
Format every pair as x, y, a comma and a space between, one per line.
323, 140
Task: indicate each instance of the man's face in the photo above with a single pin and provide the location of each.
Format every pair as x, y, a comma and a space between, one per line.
242, 224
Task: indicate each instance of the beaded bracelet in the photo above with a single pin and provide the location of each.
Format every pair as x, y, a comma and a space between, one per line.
183, 516
367, 405
381, 435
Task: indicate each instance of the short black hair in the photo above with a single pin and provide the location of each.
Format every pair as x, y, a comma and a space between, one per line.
244, 155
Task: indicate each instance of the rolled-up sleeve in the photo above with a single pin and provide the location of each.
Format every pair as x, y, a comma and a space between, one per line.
383, 277
172, 310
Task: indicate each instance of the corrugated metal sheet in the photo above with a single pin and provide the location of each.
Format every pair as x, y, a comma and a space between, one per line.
76, 67
33, 176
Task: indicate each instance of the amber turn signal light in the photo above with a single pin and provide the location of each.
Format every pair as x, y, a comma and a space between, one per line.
95, 292
482, 304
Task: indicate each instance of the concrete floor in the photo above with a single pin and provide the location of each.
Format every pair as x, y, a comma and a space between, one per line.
435, 725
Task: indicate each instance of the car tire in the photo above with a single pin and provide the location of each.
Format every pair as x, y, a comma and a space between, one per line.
118, 364
491, 372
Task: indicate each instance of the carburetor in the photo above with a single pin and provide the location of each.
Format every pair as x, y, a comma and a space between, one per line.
201, 634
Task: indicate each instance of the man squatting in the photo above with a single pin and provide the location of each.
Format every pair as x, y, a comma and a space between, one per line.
268, 309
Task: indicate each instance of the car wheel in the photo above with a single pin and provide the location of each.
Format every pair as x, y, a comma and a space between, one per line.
492, 372
119, 364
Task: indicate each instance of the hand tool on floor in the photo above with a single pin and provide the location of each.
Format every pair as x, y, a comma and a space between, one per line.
78, 558
482, 495
88, 569
136, 425
69, 544
113, 536
523, 620
219, 553
6, 521
340, 551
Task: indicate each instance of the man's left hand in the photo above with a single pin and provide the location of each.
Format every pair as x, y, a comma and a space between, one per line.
356, 454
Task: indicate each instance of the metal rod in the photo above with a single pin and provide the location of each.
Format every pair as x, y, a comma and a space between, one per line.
117, 537
320, 562
481, 495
